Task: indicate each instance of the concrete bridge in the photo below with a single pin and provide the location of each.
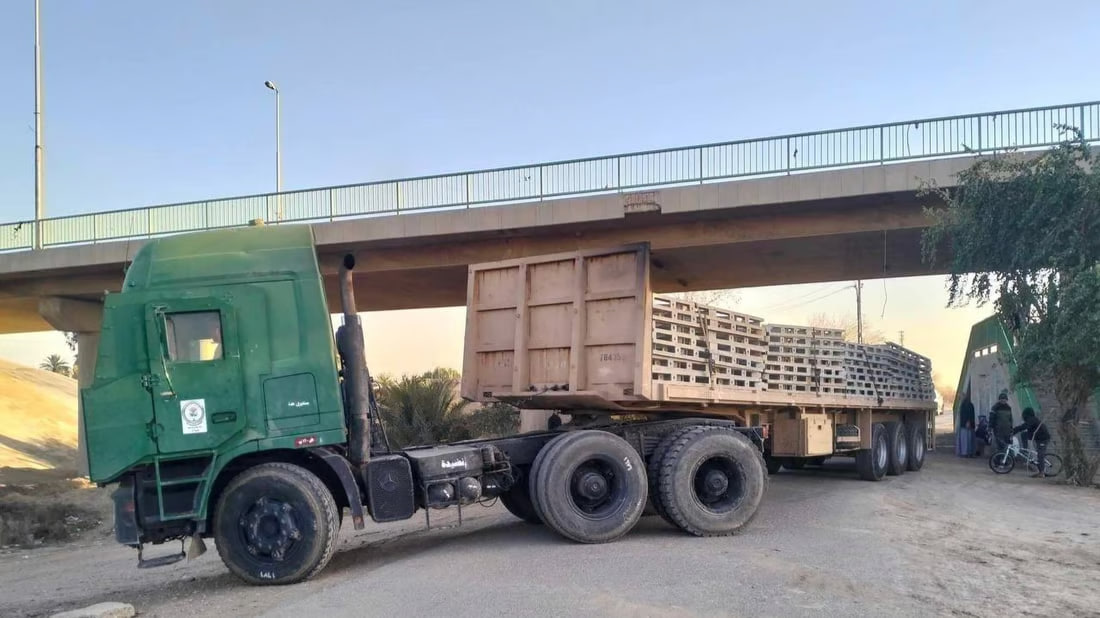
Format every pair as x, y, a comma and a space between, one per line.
844, 224
830, 205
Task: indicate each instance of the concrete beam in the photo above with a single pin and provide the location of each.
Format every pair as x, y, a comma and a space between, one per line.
67, 314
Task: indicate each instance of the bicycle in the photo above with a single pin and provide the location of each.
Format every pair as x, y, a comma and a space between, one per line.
1004, 461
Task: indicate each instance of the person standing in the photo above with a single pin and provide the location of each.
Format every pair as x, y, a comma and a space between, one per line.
1000, 418
964, 444
982, 436
964, 440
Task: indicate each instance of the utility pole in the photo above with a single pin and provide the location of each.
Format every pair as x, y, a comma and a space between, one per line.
39, 186
859, 311
901, 336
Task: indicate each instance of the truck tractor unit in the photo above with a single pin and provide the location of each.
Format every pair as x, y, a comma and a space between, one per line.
224, 407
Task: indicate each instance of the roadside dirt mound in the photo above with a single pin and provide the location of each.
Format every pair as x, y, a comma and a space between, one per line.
37, 424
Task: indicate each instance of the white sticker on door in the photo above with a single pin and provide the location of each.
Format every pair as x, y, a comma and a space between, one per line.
193, 413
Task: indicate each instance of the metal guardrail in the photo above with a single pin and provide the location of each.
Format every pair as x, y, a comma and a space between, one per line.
786, 154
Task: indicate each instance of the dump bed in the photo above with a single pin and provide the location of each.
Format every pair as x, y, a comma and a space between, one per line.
578, 331
563, 330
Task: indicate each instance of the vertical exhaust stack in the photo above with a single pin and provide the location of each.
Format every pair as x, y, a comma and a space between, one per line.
356, 378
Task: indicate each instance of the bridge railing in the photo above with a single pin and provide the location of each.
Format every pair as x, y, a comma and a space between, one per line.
1022, 129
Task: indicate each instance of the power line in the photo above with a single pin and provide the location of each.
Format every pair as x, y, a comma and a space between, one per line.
817, 290
787, 306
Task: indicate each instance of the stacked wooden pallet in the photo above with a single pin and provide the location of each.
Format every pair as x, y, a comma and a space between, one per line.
695, 344
705, 345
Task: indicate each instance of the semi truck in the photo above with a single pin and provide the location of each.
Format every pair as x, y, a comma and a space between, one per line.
225, 407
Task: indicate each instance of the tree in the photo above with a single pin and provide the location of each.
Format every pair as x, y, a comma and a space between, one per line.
724, 299
71, 342
1023, 232
422, 409
847, 323
55, 364
494, 420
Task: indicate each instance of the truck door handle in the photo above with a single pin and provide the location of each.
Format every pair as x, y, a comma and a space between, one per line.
224, 417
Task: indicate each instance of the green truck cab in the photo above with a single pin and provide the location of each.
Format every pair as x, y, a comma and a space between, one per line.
224, 407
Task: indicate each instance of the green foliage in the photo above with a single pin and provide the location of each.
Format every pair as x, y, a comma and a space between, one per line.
56, 364
493, 421
422, 409
426, 409
1023, 232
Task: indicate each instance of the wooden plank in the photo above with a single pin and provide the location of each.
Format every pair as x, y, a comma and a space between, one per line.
577, 365
520, 361
643, 348
470, 372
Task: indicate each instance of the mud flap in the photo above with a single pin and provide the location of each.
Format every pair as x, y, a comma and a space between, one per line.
342, 469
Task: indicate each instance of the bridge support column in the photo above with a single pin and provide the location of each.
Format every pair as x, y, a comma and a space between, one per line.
85, 319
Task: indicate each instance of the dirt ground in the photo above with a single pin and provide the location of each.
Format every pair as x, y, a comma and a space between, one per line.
953, 539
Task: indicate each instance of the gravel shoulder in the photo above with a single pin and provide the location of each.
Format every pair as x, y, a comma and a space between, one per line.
953, 539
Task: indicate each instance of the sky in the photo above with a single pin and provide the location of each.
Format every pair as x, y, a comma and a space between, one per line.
149, 103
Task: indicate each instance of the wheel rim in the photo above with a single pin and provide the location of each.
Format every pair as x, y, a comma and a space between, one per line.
918, 445
880, 454
902, 450
269, 529
595, 488
717, 484
1000, 461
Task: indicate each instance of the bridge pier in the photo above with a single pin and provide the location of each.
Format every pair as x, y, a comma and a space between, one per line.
83, 318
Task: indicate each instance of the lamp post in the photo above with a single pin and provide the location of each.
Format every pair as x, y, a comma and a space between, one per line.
39, 165
278, 153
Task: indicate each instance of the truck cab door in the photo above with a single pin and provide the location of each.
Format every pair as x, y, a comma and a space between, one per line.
195, 370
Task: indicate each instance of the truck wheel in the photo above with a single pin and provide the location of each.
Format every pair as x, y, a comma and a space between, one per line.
518, 502
871, 463
898, 448
589, 486
794, 463
915, 436
711, 481
653, 469
774, 464
276, 523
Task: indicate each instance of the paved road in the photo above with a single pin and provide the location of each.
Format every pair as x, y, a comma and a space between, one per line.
925, 544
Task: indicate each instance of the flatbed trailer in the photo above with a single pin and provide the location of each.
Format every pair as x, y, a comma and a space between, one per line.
570, 332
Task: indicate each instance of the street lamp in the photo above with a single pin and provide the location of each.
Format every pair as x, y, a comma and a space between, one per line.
278, 154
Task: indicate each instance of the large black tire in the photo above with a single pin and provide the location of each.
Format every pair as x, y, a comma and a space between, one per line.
898, 447
518, 501
276, 523
589, 486
712, 481
794, 463
916, 433
653, 468
774, 464
871, 463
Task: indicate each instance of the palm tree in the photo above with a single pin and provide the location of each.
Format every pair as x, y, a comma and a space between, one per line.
422, 409
56, 364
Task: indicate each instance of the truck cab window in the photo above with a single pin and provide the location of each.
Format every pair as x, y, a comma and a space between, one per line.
193, 337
